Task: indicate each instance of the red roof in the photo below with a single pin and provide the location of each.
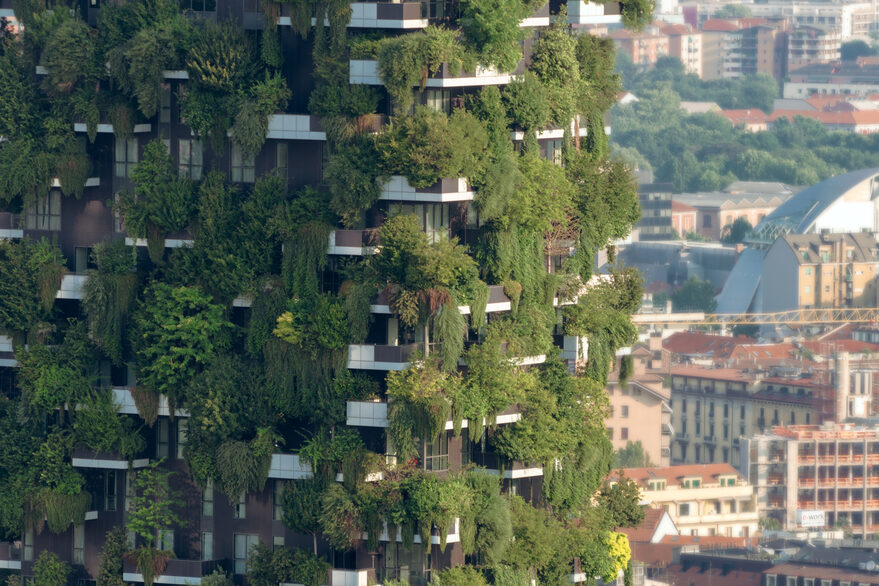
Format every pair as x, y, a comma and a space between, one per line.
852, 118
720, 25
680, 207
677, 29
763, 351
754, 116
674, 474
725, 374
828, 347
647, 529
701, 343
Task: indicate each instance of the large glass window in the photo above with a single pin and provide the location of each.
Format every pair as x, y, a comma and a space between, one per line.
407, 564
207, 545
239, 508
109, 490
79, 544
45, 212
243, 168
243, 543
165, 111
436, 453
281, 161
207, 499
126, 157
278, 500
189, 158
162, 438
182, 427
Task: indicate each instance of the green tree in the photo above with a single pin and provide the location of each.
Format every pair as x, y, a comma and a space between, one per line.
694, 295
111, 557
633, 455
49, 570
733, 11
736, 232
851, 50
151, 514
302, 507
176, 331
620, 503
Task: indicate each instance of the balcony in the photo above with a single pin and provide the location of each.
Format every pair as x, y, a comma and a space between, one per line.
580, 12
365, 71
176, 571
289, 467
295, 127
380, 357
85, 458
10, 556
575, 348
497, 301
389, 15
10, 225
497, 464
71, 287
375, 414
352, 577
454, 535
352, 242
7, 352
126, 406
173, 240
108, 128
443, 191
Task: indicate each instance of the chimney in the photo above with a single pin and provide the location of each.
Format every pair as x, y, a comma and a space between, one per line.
843, 385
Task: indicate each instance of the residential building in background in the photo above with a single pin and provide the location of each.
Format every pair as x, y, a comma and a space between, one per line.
640, 409
644, 47
820, 270
717, 210
809, 44
685, 44
683, 217
704, 500
764, 48
656, 212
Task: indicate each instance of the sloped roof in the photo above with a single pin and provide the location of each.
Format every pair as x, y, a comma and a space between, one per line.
799, 212
743, 281
719, 25
673, 475
699, 343
750, 116
806, 247
681, 207
647, 529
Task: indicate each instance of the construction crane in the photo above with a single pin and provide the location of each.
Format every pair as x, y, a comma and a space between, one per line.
793, 317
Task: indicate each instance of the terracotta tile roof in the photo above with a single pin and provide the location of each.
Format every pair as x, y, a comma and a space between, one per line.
658, 287
677, 29
699, 343
749, 21
724, 374
824, 572
751, 116
654, 555
719, 25
674, 474
763, 351
678, 206
825, 347
644, 532
710, 541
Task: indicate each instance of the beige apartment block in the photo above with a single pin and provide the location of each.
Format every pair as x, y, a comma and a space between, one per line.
820, 270
640, 411
709, 499
685, 44
712, 408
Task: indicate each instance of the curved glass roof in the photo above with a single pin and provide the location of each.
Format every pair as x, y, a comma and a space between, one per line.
798, 214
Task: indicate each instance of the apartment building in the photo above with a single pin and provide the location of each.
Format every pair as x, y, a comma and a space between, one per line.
640, 409
712, 408
717, 210
685, 44
655, 222
763, 50
721, 49
704, 500
854, 78
820, 270
816, 476
644, 47
812, 44
219, 526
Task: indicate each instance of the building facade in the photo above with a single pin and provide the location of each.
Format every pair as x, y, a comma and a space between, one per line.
704, 500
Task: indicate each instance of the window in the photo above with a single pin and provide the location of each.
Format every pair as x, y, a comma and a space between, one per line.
45, 213
165, 112
436, 453
439, 100
725, 431
207, 499
166, 540
207, 546
82, 259
808, 270
277, 542
28, 545
770, 580
706, 221
278, 500
624, 433
189, 158
243, 168
281, 161
162, 439
79, 544
725, 410
182, 427
684, 509
610, 433
793, 417
742, 412
109, 490
243, 543
126, 157
625, 411
239, 509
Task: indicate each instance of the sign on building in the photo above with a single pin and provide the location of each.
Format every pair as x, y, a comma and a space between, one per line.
811, 518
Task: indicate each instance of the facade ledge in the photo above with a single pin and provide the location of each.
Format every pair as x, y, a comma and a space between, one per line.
365, 71
126, 406
375, 414
443, 191
580, 12
108, 128
295, 127
289, 467
71, 286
